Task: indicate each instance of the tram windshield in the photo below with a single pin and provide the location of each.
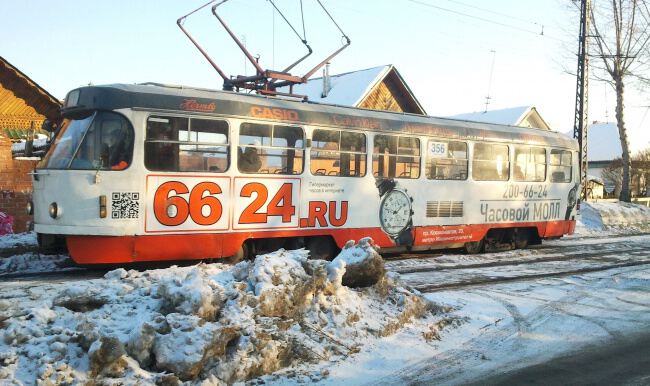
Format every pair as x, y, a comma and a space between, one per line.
101, 141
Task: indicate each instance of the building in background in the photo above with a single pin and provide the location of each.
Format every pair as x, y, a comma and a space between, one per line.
377, 88
523, 116
24, 105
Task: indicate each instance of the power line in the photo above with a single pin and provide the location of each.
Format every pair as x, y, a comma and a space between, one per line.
497, 13
429, 5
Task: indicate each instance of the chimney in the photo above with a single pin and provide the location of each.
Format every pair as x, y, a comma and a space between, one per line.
327, 86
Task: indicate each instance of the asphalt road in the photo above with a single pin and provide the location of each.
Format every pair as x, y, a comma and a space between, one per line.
624, 361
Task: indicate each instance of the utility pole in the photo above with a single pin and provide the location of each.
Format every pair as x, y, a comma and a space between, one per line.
582, 87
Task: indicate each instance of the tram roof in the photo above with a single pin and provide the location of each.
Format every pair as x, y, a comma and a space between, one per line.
154, 96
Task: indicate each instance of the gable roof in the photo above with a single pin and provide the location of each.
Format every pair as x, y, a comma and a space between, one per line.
16, 85
352, 88
525, 116
511, 116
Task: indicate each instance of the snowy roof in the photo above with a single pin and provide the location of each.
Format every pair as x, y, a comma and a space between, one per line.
347, 89
39, 142
511, 116
603, 142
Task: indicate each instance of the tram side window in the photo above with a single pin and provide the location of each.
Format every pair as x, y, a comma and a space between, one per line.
396, 156
491, 162
530, 164
270, 149
338, 153
446, 160
186, 144
560, 166
204, 148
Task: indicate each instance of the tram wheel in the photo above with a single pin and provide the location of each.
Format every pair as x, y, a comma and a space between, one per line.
244, 252
522, 237
474, 247
321, 248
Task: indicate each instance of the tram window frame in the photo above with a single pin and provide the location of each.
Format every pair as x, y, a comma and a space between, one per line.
256, 149
565, 168
179, 147
344, 153
482, 169
397, 153
89, 143
451, 168
524, 174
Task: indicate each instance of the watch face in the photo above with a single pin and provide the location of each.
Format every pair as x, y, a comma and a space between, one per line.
395, 212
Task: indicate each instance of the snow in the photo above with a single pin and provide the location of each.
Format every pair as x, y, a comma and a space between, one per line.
209, 322
347, 89
17, 240
284, 319
511, 116
603, 142
604, 218
40, 141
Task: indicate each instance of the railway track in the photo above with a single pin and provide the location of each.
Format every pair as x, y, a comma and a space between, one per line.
438, 278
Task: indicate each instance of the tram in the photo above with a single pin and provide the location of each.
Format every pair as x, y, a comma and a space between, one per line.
153, 172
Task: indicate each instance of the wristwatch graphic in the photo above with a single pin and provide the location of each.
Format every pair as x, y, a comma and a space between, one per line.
395, 212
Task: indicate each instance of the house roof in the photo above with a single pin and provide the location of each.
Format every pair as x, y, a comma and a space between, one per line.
603, 142
16, 85
351, 88
511, 116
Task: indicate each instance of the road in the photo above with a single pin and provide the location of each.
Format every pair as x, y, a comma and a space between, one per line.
574, 311
624, 361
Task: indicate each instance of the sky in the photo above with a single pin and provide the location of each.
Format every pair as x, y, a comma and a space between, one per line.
452, 53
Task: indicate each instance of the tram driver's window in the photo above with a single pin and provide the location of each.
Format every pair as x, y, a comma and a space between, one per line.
560, 165
491, 162
270, 149
529, 164
338, 153
446, 160
396, 156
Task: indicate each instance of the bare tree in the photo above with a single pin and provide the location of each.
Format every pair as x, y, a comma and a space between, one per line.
621, 30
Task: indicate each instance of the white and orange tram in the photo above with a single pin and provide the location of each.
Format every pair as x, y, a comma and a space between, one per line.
151, 172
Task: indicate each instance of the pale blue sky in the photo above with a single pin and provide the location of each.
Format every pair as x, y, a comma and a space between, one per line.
444, 56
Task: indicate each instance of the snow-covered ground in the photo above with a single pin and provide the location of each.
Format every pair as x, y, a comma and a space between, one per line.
210, 323
283, 319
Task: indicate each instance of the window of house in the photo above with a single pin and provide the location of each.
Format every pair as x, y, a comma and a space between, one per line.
270, 149
446, 160
560, 165
338, 153
530, 164
396, 156
490, 162
186, 144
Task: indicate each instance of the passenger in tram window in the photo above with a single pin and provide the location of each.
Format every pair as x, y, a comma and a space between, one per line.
248, 160
114, 153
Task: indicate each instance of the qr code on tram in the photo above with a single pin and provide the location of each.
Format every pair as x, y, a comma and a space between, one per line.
125, 205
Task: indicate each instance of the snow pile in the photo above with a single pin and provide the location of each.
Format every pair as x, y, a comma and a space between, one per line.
210, 323
34, 263
613, 216
18, 240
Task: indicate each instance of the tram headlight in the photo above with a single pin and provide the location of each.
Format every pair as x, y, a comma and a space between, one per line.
54, 210
29, 208
572, 197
